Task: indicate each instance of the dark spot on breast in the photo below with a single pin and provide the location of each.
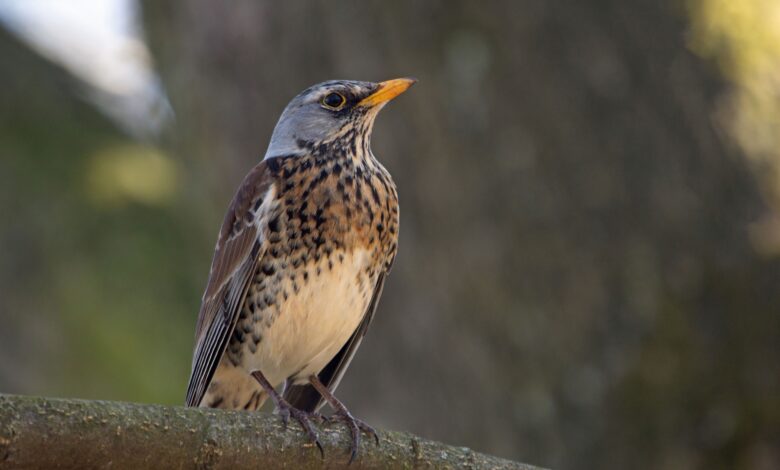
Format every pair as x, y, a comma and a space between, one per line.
274, 164
238, 335
273, 224
319, 219
268, 269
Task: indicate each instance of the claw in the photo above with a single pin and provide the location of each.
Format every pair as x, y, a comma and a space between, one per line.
285, 415
304, 419
286, 410
368, 430
356, 426
342, 414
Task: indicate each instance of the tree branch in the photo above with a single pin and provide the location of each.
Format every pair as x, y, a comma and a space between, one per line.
58, 433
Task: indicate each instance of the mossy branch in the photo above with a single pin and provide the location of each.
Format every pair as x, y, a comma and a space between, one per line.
59, 433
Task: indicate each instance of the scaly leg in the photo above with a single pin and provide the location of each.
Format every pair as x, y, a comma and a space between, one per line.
341, 412
286, 410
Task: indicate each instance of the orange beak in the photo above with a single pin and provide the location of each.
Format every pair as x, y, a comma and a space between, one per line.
387, 91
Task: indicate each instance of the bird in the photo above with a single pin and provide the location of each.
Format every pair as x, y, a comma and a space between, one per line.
300, 262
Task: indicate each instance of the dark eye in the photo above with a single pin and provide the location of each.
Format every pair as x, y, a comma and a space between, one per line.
333, 100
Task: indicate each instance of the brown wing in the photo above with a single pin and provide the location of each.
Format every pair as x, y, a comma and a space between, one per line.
239, 246
305, 397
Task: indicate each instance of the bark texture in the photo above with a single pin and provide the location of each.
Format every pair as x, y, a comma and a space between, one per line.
62, 433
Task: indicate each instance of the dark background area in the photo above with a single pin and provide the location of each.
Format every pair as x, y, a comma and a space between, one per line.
588, 274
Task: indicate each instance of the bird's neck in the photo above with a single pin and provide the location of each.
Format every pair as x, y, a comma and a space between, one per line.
350, 150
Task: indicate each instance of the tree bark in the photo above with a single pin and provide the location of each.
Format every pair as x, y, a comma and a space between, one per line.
63, 433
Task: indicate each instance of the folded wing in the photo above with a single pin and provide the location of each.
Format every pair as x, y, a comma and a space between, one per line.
240, 244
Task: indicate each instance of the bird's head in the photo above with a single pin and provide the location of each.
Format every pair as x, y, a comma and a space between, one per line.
333, 110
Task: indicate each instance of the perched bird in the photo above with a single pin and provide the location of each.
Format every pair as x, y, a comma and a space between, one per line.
300, 261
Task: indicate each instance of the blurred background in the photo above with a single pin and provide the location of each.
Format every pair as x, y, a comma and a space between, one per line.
589, 264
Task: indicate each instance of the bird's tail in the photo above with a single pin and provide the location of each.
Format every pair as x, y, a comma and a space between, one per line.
233, 389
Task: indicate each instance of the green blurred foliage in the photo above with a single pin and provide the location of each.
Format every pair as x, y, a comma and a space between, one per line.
97, 290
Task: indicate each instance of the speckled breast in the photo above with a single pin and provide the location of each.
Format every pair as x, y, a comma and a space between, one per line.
332, 230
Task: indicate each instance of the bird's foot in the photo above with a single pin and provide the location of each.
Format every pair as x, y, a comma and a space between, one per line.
341, 413
285, 411
356, 426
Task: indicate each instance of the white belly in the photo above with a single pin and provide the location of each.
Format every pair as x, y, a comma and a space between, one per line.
314, 323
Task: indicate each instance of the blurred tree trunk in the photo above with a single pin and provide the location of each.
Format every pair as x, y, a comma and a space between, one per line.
575, 284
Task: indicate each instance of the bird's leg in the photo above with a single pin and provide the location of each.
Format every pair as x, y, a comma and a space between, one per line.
286, 410
341, 413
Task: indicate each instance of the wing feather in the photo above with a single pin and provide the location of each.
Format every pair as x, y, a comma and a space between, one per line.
239, 247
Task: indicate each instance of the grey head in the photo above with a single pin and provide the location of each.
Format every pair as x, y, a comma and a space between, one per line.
328, 110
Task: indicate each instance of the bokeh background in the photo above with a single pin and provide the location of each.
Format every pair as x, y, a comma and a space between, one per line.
589, 265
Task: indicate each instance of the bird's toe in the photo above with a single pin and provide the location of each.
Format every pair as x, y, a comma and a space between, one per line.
305, 421
356, 426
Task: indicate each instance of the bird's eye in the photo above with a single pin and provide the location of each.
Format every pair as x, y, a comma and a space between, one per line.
333, 100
